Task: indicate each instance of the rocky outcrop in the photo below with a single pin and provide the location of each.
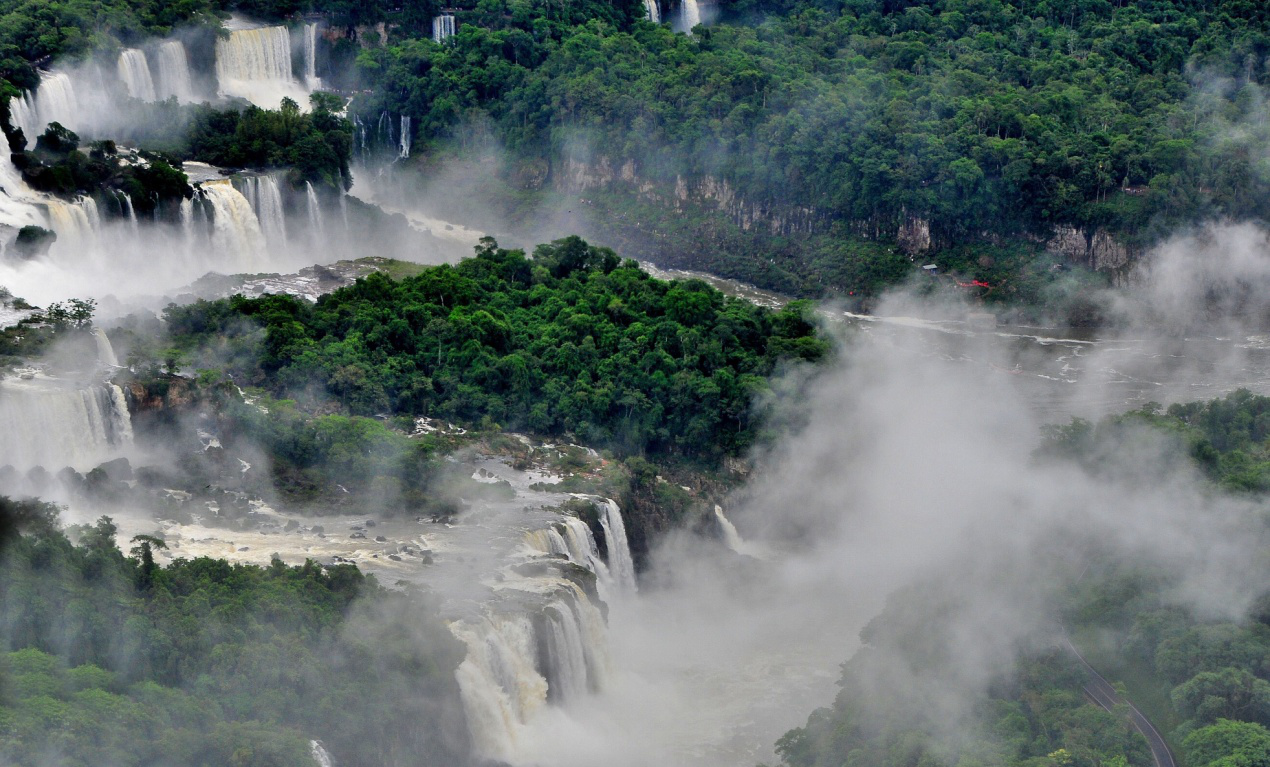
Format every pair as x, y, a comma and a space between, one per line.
914, 235
1096, 249
578, 176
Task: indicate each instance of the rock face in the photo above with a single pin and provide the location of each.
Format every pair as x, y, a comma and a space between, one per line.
1095, 249
914, 235
576, 175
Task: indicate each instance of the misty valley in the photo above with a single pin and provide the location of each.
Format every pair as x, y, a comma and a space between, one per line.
716, 383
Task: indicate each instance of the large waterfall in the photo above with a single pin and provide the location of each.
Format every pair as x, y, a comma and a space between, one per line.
53, 424
255, 64
653, 10
265, 197
53, 101
76, 224
442, 27
236, 234
174, 72
543, 641
134, 72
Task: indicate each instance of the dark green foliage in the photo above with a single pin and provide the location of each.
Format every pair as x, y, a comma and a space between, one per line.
34, 241
317, 145
1229, 438
989, 120
570, 341
111, 660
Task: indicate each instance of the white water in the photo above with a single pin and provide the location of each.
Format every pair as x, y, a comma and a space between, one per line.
653, 11
442, 27
52, 423
53, 101
255, 64
130, 213
105, 351
236, 234
265, 197
403, 149
174, 72
76, 225
320, 755
134, 72
689, 15
315, 212
310, 58
620, 562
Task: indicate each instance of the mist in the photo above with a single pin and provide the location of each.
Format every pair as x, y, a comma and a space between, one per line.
910, 463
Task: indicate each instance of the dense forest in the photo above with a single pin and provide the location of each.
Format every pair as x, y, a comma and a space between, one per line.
573, 341
205, 663
990, 121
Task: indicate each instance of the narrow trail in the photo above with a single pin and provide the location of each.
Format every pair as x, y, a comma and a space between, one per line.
1102, 693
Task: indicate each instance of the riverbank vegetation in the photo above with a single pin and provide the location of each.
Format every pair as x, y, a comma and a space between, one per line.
987, 122
201, 662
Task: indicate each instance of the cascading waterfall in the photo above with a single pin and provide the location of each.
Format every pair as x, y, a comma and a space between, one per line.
235, 228
255, 64
105, 351
134, 71
53, 424
255, 55
310, 58
53, 101
690, 14
320, 754
653, 11
265, 197
16, 210
315, 211
130, 212
403, 149
76, 225
552, 651
621, 563
443, 26
174, 72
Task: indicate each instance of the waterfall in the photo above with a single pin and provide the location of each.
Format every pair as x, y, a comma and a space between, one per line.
344, 209
53, 101
105, 352
25, 115
15, 209
76, 224
499, 681
310, 57
730, 536
53, 424
442, 27
272, 216
134, 71
404, 147
690, 14
315, 211
568, 676
174, 72
653, 11
621, 563
320, 755
130, 212
255, 64
235, 228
